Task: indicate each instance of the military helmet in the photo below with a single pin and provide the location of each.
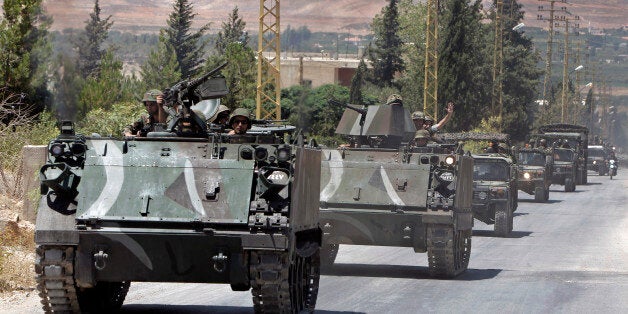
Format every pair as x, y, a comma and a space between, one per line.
221, 109
151, 95
240, 112
422, 134
394, 99
418, 115
543, 141
428, 118
503, 146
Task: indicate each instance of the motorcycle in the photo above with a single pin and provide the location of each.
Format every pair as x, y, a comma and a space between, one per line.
612, 168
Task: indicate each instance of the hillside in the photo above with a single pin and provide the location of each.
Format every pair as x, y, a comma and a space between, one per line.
140, 16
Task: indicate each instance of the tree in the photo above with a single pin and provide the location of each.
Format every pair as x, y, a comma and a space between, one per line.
412, 19
232, 32
385, 54
24, 52
89, 45
464, 76
521, 75
355, 93
106, 88
240, 73
188, 46
161, 69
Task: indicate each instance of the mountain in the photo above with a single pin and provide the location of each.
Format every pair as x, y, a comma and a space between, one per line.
140, 16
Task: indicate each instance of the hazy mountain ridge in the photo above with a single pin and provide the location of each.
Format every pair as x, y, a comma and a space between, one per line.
332, 16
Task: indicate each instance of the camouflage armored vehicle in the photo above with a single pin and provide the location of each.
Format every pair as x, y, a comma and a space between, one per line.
571, 136
597, 156
565, 168
382, 191
535, 172
495, 197
183, 205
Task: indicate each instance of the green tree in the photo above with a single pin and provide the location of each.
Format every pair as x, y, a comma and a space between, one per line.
188, 46
232, 32
240, 73
464, 76
521, 75
161, 69
355, 94
412, 19
67, 85
90, 44
24, 51
106, 88
385, 53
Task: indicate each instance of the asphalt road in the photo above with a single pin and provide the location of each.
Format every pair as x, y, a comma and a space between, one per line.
569, 255
566, 256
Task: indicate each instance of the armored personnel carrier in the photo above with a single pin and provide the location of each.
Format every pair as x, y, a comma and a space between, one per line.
382, 191
535, 172
495, 196
181, 205
571, 136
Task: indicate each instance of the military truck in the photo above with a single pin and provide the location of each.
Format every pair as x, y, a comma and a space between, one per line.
596, 160
572, 136
383, 191
181, 205
565, 168
495, 197
534, 166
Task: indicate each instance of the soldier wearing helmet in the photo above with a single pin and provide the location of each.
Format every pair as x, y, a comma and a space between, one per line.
239, 121
543, 143
221, 117
421, 138
155, 114
428, 121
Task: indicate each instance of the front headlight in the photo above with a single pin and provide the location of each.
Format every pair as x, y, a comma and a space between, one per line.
526, 175
482, 195
450, 160
595, 162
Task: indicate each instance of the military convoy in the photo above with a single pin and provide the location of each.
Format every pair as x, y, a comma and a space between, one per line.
181, 205
565, 168
382, 191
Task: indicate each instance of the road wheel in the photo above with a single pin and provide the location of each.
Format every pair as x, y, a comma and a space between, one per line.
105, 297
570, 186
546, 194
448, 250
585, 177
281, 284
328, 254
579, 179
503, 222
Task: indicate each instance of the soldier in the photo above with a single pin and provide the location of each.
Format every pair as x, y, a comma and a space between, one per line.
221, 117
428, 121
543, 143
239, 121
421, 138
155, 113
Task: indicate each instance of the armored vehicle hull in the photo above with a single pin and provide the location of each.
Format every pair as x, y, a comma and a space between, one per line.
495, 196
597, 156
409, 197
172, 209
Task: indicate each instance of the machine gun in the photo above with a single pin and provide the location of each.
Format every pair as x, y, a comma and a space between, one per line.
361, 111
188, 92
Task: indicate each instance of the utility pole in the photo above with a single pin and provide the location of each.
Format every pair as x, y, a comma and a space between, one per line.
498, 63
268, 99
430, 84
566, 20
548, 56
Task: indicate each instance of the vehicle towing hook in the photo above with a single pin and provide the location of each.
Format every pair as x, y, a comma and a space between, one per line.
220, 262
100, 260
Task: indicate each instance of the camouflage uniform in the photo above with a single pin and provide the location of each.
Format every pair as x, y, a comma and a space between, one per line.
146, 123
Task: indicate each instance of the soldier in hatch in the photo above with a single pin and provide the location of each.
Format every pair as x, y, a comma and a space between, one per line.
155, 113
422, 138
221, 117
426, 122
239, 122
